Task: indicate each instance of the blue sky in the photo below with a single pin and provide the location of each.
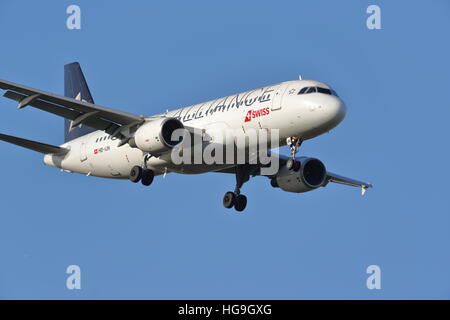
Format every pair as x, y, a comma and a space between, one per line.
174, 240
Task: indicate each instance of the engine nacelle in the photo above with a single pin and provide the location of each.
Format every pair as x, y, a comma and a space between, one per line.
312, 175
156, 136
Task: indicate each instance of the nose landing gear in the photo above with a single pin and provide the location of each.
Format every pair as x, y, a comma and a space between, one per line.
294, 143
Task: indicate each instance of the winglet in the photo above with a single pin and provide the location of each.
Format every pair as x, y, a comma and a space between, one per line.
364, 188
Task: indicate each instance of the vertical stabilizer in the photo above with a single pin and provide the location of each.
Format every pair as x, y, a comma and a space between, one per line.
75, 87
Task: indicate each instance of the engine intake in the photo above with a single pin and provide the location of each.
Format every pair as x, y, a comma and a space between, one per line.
156, 136
312, 175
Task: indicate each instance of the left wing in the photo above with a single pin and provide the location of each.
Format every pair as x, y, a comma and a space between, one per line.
254, 170
112, 121
332, 177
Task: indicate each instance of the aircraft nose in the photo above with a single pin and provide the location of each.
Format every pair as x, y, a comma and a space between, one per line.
335, 109
332, 112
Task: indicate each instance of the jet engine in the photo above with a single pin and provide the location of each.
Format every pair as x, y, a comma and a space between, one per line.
156, 136
311, 175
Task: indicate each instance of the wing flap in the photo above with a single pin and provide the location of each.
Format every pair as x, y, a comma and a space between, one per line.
34, 145
70, 114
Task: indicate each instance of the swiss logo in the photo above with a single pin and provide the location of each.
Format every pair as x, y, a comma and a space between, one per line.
251, 114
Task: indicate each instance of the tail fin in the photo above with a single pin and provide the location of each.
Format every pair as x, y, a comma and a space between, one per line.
75, 86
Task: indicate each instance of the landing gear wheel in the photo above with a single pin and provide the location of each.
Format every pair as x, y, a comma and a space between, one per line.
135, 174
240, 202
229, 199
147, 177
292, 164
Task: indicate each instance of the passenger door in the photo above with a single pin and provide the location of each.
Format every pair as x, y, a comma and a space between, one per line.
83, 152
278, 97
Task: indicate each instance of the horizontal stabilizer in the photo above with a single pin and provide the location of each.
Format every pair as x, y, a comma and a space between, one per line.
33, 145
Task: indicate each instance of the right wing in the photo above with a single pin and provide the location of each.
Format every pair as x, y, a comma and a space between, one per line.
112, 121
34, 145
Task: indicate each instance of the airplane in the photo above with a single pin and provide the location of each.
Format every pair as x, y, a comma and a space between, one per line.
104, 142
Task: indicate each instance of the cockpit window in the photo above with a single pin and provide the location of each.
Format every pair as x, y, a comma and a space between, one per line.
306, 90
334, 93
303, 90
323, 90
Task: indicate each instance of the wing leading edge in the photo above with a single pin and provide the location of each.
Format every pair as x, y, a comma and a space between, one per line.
332, 177
81, 112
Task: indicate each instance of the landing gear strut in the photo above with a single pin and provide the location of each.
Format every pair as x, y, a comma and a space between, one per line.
236, 199
294, 143
144, 175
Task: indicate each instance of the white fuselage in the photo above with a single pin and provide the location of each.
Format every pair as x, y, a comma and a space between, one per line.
274, 107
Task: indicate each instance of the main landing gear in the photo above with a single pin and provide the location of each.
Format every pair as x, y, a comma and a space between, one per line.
232, 199
140, 174
294, 143
236, 199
